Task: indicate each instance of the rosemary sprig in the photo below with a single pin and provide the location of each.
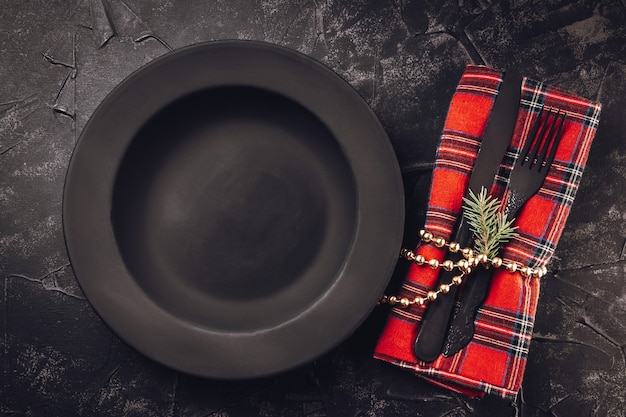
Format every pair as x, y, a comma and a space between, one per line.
489, 225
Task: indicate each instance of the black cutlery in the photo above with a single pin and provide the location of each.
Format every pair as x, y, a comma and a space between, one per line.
529, 173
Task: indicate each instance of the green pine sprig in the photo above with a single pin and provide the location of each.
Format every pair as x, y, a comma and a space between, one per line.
488, 224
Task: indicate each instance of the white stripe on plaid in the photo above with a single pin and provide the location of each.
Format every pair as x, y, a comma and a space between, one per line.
514, 339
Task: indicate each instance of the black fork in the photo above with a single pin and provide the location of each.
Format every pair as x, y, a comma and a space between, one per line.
529, 173
532, 165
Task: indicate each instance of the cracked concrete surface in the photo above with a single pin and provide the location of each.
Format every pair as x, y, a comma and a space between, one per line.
58, 60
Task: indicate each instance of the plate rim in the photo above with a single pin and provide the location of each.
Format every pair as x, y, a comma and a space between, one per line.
114, 294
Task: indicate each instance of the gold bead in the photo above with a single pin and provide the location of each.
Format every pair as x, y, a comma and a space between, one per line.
496, 262
463, 264
419, 259
404, 301
393, 299
525, 271
444, 288
427, 237
434, 263
467, 252
458, 280
473, 261
511, 267
422, 231
406, 253
419, 301
431, 295
448, 265
454, 247
440, 242
482, 258
544, 271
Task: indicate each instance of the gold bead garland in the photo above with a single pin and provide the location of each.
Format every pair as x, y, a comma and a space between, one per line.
464, 265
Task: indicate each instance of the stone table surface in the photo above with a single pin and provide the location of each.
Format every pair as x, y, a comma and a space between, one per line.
59, 59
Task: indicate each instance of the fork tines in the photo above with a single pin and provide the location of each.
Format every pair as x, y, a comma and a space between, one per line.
548, 126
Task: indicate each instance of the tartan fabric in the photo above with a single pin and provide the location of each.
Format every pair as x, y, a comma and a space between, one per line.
495, 360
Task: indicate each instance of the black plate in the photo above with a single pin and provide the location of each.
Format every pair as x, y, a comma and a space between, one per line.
233, 209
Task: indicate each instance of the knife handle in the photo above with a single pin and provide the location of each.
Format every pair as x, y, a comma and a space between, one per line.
432, 333
462, 327
431, 336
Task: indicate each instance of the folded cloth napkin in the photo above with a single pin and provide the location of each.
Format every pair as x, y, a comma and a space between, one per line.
494, 361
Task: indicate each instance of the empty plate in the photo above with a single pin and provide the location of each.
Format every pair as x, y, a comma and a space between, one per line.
233, 209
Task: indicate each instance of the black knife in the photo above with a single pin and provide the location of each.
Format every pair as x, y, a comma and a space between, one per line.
430, 339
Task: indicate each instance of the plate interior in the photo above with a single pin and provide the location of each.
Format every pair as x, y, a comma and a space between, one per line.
234, 208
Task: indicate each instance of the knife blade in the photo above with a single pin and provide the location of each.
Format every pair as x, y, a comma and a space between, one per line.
430, 339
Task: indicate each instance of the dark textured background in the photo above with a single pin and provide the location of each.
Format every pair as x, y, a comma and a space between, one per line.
58, 60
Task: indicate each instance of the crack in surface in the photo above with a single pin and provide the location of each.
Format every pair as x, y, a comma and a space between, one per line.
320, 26
293, 21
588, 322
584, 319
65, 99
559, 401
139, 29
63, 52
538, 337
587, 292
101, 24
50, 282
590, 266
418, 167
465, 42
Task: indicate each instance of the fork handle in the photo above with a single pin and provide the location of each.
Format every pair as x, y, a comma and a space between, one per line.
462, 324
514, 203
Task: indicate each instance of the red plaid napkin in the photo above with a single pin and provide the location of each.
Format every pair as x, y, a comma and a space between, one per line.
495, 359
